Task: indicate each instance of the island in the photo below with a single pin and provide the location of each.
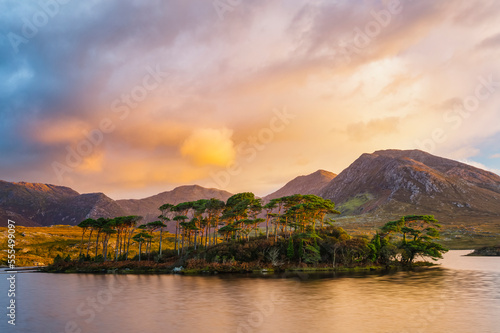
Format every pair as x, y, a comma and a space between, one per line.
246, 235
487, 251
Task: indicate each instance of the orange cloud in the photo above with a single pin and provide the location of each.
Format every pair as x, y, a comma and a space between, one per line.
60, 131
92, 164
209, 146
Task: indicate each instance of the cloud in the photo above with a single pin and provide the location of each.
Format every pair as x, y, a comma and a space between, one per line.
92, 164
363, 131
225, 77
493, 41
463, 153
209, 146
59, 131
495, 155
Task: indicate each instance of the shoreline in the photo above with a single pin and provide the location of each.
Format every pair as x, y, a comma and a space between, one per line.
236, 270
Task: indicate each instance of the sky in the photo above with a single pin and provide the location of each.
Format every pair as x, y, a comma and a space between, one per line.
132, 98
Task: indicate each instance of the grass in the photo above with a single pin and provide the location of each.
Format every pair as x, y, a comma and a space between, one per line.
38, 246
353, 204
457, 235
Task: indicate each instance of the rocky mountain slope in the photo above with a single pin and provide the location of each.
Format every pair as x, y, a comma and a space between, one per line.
34, 204
310, 184
395, 182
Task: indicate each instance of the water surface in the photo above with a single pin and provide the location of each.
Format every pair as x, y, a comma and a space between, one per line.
462, 295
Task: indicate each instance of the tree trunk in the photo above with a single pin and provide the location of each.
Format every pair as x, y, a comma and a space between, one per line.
97, 243
81, 245
267, 228
182, 243
105, 248
88, 245
128, 244
161, 236
209, 237
176, 240
117, 245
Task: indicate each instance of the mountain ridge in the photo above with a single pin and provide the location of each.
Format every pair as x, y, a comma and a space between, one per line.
385, 183
305, 184
397, 181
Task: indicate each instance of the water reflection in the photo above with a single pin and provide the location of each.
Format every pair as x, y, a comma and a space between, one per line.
451, 298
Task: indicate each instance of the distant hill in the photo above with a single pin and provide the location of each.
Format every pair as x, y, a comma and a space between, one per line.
34, 204
5, 216
148, 207
391, 183
310, 184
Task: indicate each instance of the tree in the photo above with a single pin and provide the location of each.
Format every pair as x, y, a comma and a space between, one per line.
155, 226
166, 215
140, 238
119, 225
85, 225
199, 208
98, 225
182, 210
214, 209
179, 219
108, 230
417, 233
290, 252
148, 230
130, 222
239, 208
269, 207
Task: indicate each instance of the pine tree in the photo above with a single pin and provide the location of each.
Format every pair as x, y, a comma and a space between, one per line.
290, 252
301, 249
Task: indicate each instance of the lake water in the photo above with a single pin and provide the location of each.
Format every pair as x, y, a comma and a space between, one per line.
463, 295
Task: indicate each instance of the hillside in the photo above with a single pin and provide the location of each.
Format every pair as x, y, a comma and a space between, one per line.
34, 204
148, 207
391, 183
5, 216
310, 184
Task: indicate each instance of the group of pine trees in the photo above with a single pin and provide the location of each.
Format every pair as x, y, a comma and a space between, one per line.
204, 222
125, 229
296, 219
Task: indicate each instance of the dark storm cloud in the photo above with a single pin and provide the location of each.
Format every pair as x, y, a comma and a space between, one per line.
64, 65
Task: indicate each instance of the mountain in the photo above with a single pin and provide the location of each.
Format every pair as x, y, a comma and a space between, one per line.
392, 183
34, 204
310, 184
148, 207
5, 216
385, 184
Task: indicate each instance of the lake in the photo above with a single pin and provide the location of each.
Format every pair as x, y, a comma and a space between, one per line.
462, 295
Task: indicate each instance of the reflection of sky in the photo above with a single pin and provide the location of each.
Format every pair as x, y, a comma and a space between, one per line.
433, 300
223, 78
